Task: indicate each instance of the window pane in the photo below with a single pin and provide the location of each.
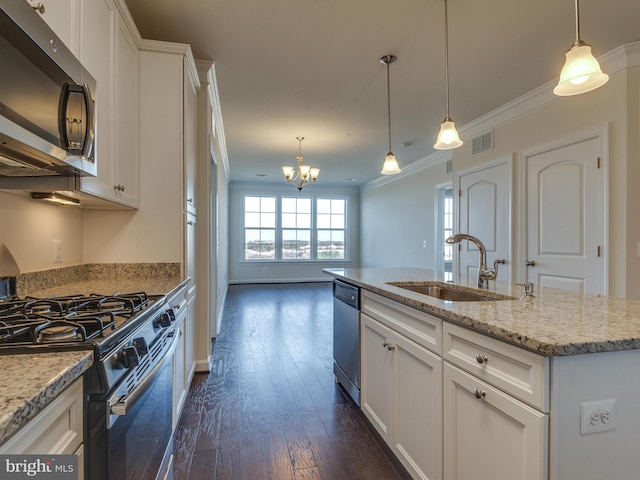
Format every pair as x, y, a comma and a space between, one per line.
337, 221
289, 205
251, 219
304, 205
295, 244
268, 204
324, 205
268, 220
337, 206
288, 220
324, 221
252, 204
304, 220
259, 244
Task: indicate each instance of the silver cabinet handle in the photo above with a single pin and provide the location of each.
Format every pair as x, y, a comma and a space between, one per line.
388, 345
530, 263
39, 7
479, 393
119, 188
481, 358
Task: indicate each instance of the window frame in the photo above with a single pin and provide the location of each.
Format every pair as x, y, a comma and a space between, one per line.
313, 243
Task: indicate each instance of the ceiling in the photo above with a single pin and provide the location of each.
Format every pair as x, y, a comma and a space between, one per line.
288, 68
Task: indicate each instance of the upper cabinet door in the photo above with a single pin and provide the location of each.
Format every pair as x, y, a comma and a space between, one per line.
63, 16
190, 138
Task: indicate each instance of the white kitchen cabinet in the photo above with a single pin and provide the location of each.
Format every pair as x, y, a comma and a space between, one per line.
178, 303
489, 430
489, 434
56, 430
168, 110
63, 16
401, 386
108, 50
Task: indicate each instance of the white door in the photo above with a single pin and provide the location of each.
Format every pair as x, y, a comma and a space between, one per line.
565, 218
484, 208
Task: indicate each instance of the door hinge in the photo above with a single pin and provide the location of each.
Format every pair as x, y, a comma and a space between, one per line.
598, 250
598, 162
460, 192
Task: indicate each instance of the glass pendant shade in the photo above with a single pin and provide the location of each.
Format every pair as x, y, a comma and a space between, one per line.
448, 137
288, 172
581, 72
314, 171
390, 165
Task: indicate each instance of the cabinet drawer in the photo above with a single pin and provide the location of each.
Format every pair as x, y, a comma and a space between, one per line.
56, 430
420, 327
516, 371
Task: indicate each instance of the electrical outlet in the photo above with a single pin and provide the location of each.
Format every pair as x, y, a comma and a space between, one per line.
57, 251
597, 416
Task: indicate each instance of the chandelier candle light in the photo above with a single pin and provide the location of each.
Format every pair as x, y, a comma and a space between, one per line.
304, 173
581, 72
390, 166
448, 137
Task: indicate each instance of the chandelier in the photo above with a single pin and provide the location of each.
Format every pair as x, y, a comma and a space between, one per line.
305, 172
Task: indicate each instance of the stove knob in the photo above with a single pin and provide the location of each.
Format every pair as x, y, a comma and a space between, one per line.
172, 314
163, 320
140, 345
129, 357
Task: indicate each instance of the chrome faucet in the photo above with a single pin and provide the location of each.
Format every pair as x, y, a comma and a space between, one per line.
484, 273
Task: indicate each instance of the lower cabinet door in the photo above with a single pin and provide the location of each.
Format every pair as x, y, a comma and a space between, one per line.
417, 430
489, 435
375, 376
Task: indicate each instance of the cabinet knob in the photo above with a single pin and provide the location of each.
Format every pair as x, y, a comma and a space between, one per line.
388, 345
119, 188
481, 358
190, 222
189, 200
479, 393
38, 7
530, 263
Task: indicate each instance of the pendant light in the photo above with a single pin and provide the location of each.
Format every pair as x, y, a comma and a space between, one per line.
448, 137
581, 72
390, 166
304, 174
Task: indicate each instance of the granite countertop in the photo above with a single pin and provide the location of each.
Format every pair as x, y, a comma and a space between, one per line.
29, 381
554, 323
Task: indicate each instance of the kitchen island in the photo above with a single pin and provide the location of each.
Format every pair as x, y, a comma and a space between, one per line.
531, 388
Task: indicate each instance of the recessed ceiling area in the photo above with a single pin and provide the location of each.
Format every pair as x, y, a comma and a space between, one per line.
311, 68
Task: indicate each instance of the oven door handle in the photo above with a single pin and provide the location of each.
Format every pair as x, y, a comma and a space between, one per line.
127, 402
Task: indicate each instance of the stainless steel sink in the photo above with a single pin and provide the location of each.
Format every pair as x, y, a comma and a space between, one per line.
451, 293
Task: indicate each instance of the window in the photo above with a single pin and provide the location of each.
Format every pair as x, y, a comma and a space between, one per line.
259, 228
330, 227
294, 228
446, 211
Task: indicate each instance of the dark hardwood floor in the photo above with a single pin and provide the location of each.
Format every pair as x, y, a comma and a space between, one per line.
270, 409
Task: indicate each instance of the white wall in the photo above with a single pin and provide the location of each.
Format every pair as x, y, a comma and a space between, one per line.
397, 217
28, 228
241, 271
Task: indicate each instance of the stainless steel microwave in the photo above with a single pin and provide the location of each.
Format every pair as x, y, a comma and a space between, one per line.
47, 100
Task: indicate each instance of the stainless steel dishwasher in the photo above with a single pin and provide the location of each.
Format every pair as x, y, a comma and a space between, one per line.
346, 337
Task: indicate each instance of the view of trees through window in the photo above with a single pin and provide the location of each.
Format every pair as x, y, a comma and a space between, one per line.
294, 228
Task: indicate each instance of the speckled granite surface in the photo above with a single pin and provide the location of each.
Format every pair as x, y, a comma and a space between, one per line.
28, 283
30, 382
554, 323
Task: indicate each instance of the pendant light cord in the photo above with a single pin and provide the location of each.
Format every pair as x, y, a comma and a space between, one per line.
577, 23
389, 103
446, 54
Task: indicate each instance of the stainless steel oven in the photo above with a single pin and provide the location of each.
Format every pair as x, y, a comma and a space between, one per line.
130, 427
127, 389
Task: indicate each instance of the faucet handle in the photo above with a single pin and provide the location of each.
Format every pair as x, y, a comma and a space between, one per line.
527, 289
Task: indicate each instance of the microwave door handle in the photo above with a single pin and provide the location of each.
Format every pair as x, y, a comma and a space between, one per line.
62, 116
123, 405
90, 133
